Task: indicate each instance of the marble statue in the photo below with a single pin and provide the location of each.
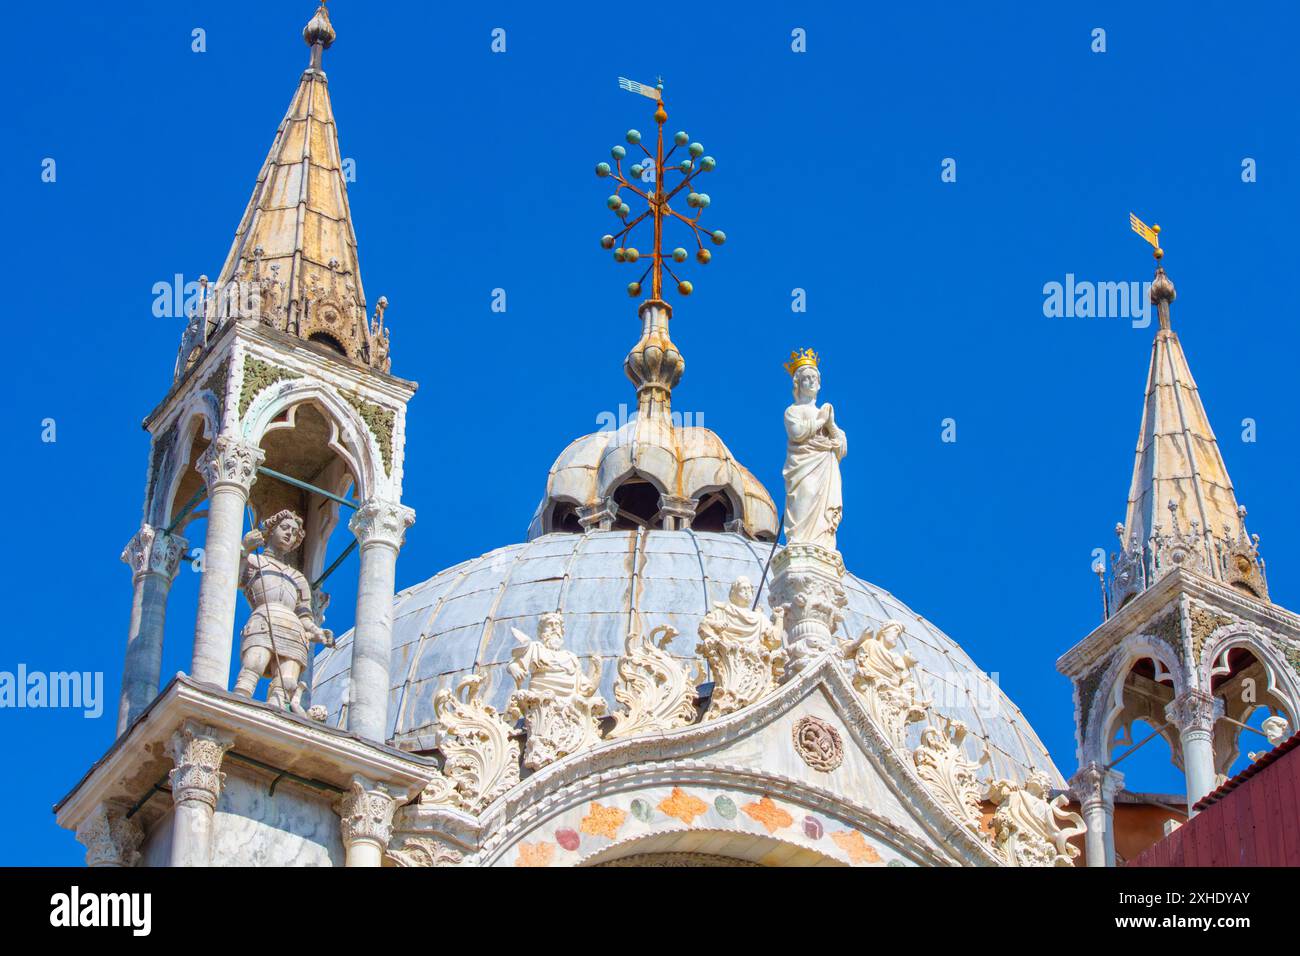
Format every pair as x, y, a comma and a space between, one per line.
886, 679
276, 639
556, 700
1276, 729
814, 502
953, 778
1027, 828
743, 648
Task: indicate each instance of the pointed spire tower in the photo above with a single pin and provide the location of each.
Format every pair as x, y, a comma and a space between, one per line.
1190, 643
281, 402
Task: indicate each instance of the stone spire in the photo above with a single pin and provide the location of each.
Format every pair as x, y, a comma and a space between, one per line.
1182, 511
293, 263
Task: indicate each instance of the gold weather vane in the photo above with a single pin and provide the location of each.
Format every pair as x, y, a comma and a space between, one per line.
657, 197
1150, 233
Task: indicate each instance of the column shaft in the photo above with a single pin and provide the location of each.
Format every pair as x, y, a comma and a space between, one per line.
154, 557
197, 752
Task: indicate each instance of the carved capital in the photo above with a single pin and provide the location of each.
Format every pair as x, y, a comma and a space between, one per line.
154, 551
381, 522
366, 812
229, 461
197, 751
1194, 712
1096, 785
109, 837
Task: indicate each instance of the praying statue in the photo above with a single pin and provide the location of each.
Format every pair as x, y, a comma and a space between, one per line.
813, 500
276, 639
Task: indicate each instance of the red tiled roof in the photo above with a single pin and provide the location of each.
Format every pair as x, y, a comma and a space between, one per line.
1232, 783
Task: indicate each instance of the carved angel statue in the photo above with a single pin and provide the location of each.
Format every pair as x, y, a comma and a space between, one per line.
886, 679
744, 650
653, 686
276, 639
559, 703
814, 501
1027, 828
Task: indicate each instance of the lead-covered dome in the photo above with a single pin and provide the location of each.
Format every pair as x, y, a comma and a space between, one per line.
605, 582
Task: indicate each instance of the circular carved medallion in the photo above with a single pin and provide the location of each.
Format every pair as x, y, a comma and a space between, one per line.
818, 744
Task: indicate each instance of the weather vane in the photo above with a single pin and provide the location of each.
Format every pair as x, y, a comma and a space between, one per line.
1150, 233
656, 168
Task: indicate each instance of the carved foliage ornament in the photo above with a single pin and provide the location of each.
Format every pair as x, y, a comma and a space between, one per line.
229, 461
419, 851
366, 813
110, 838
652, 686
153, 551
818, 743
480, 752
953, 778
197, 752
384, 522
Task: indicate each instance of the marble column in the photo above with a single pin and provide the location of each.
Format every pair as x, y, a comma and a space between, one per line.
229, 468
365, 822
806, 582
153, 556
110, 838
380, 527
1194, 713
1096, 786
197, 751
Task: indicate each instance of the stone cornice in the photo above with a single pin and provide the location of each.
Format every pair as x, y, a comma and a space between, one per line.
302, 356
327, 755
1155, 599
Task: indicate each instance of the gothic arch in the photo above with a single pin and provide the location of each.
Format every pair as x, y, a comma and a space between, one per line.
1110, 704
713, 847
1273, 685
350, 438
198, 418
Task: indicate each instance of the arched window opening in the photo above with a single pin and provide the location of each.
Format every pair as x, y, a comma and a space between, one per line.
564, 518
324, 338
637, 501
713, 513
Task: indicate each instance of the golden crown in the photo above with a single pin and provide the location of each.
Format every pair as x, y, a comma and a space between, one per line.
799, 359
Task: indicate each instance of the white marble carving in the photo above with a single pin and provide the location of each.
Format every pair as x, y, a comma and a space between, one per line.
744, 650
421, 851
479, 748
806, 585
110, 837
953, 778
814, 501
282, 626
653, 686
886, 679
1027, 828
1276, 729
556, 700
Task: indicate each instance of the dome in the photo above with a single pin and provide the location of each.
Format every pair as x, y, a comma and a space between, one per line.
656, 470
459, 621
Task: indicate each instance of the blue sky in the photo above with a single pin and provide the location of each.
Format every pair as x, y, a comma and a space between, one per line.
474, 172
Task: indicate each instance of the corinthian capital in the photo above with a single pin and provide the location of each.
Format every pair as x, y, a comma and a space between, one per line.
366, 812
153, 551
109, 837
229, 461
1095, 784
197, 751
381, 522
1194, 712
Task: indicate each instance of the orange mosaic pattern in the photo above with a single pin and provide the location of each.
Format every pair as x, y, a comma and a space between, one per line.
682, 806
855, 845
535, 854
767, 813
603, 821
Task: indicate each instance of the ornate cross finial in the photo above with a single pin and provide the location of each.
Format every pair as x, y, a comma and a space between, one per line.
657, 198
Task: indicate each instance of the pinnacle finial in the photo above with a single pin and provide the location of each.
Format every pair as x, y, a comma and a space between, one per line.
1162, 293
318, 33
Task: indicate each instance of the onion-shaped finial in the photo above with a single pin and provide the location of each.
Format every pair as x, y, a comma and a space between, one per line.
319, 29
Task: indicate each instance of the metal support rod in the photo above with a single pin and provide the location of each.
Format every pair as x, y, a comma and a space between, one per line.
1246, 727
287, 479
189, 506
305, 781
337, 561
156, 788
1138, 746
758, 592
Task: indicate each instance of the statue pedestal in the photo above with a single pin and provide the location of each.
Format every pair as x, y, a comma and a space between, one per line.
806, 582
